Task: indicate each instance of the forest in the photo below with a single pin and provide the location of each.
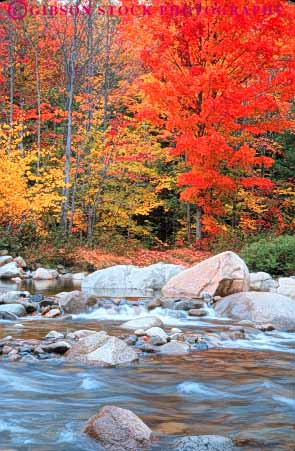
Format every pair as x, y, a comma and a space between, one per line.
148, 131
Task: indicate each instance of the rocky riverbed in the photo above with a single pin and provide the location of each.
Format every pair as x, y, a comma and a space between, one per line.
210, 369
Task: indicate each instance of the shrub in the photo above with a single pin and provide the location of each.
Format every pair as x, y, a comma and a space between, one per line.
273, 255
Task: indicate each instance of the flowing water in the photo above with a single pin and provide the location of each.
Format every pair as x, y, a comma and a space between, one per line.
245, 390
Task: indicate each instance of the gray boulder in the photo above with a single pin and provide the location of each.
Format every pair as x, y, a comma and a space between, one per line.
113, 352
174, 348
74, 302
118, 429
5, 259
144, 323
260, 308
9, 271
129, 280
103, 350
14, 309
12, 297
45, 274
261, 281
203, 443
286, 287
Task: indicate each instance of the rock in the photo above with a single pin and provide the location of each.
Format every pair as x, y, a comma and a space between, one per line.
45, 274
36, 297
184, 305
88, 344
8, 316
145, 322
203, 443
129, 280
73, 302
261, 281
113, 352
103, 350
9, 271
221, 275
156, 332
14, 309
139, 332
21, 263
60, 347
131, 341
11, 297
197, 312
260, 308
3, 252
118, 429
175, 330
265, 327
79, 276
287, 287
82, 333
155, 340
153, 304
175, 348
54, 335
53, 313
5, 259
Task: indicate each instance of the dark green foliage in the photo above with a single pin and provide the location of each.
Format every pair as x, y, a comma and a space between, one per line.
273, 255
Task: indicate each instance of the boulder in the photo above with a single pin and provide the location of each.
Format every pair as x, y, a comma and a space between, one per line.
144, 323
81, 333
54, 335
59, 347
118, 429
52, 313
5, 259
261, 281
73, 302
129, 280
10, 270
221, 275
14, 309
260, 308
21, 263
156, 332
45, 274
88, 344
12, 297
175, 348
103, 350
287, 286
113, 352
203, 443
79, 276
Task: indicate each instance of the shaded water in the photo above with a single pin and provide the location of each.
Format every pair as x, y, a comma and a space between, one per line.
245, 391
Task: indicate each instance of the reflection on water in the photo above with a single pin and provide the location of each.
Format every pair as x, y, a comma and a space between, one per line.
46, 287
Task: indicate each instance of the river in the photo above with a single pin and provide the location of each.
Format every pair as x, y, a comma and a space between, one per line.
244, 390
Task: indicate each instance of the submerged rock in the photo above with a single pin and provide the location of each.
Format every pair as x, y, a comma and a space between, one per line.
145, 322
221, 275
119, 429
260, 308
203, 443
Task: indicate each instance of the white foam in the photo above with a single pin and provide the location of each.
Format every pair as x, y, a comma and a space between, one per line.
284, 400
197, 388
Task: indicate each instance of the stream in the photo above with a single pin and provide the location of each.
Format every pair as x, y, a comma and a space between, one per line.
244, 390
